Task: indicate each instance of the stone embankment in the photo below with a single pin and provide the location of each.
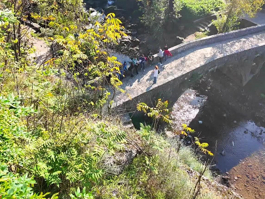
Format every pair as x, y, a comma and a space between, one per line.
241, 53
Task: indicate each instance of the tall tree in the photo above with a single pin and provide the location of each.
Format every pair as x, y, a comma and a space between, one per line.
156, 13
228, 17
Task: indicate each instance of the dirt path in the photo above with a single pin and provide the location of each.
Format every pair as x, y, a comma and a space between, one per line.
248, 177
42, 50
186, 62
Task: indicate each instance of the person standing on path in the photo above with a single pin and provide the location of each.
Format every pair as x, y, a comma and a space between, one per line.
167, 54
135, 64
160, 55
123, 69
156, 71
142, 61
150, 58
131, 67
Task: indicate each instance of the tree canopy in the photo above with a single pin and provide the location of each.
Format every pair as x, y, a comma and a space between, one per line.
227, 18
156, 14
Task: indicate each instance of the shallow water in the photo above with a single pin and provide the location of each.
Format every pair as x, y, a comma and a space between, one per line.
235, 142
186, 108
233, 134
236, 138
239, 143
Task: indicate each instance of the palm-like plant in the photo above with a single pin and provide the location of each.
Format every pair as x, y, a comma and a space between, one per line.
160, 111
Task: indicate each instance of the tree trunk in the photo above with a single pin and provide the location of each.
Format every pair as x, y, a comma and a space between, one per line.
171, 6
15, 44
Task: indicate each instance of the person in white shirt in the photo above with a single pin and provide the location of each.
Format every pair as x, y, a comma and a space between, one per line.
156, 71
160, 55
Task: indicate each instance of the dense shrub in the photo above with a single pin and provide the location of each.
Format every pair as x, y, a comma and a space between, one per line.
194, 9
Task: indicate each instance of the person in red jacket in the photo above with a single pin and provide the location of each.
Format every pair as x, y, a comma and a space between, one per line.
167, 53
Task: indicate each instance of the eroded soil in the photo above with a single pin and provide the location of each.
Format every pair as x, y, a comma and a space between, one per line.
248, 177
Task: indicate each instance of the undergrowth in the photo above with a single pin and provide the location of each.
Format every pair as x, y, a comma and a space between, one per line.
159, 172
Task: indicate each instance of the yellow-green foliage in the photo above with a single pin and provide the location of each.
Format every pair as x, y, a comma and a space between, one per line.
83, 56
202, 146
202, 7
200, 35
188, 157
160, 111
227, 17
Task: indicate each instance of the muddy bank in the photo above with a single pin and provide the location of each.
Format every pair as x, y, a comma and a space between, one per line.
248, 177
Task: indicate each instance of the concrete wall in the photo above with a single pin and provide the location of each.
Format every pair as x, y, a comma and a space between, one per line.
241, 67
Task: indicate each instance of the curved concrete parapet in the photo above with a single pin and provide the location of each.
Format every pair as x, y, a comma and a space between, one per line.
214, 39
239, 54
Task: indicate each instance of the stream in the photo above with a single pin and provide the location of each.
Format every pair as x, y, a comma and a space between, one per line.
228, 117
236, 138
232, 117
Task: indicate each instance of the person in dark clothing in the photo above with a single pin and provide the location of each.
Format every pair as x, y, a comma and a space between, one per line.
135, 65
122, 71
124, 66
142, 60
150, 58
131, 68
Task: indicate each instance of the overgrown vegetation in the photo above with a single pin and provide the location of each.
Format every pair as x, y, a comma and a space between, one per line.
199, 8
158, 15
157, 113
153, 174
227, 18
199, 35
55, 141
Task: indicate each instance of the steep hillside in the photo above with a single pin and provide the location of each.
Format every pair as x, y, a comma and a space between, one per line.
55, 141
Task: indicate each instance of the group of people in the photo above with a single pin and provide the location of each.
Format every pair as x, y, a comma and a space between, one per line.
128, 68
135, 64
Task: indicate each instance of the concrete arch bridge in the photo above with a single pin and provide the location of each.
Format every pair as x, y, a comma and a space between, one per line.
238, 54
